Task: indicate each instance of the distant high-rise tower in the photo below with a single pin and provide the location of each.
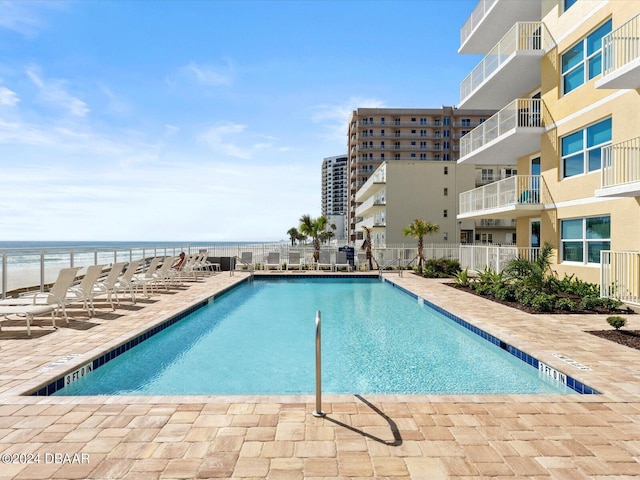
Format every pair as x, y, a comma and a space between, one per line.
334, 185
334, 192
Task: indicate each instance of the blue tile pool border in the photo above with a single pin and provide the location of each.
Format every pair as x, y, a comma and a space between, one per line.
571, 382
59, 383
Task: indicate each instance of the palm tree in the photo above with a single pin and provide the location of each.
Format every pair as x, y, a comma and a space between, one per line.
314, 228
293, 235
418, 229
366, 245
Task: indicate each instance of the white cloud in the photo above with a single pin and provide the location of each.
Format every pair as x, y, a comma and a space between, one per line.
53, 92
230, 139
8, 97
205, 75
18, 17
336, 117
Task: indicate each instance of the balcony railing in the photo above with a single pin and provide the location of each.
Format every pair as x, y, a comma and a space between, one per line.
524, 37
496, 223
621, 56
621, 163
475, 18
620, 276
377, 200
505, 194
522, 113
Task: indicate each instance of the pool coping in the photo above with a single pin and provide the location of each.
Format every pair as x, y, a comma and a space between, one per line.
49, 387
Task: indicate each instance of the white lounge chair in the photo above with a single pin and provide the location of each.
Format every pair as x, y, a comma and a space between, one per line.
28, 311
146, 278
165, 274
83, 292
273, 260
294, 261
54, 297
107, 286
341, 261
125, 281
324, 260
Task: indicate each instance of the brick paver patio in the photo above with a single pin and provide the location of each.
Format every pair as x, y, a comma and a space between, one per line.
276, 437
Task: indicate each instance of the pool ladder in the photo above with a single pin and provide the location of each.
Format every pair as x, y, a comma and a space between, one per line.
248, 265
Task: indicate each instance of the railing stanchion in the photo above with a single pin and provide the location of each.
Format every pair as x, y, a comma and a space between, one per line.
318, 411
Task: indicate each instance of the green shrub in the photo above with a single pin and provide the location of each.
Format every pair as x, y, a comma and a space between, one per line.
566, 304
611, 304
462, 278
441, 268
616, 322
524, 295
543, 302
505, 292
590, 303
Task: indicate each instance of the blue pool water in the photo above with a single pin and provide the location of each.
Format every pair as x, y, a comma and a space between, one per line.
259, 338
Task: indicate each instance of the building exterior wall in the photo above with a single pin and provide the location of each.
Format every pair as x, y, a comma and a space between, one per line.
424, 190
334, 192
576, 197
376, 135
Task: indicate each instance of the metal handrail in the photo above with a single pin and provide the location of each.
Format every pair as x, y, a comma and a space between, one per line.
249, 267
318, 411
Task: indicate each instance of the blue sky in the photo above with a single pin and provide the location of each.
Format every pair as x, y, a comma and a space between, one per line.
200, 120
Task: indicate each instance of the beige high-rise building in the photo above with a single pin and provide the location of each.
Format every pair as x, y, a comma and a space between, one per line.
335, 181
566, 85
377, 135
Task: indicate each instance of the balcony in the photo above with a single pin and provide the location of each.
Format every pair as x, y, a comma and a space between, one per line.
496, 223
512, 197
621, 57
510, 69
491, 19
375, 203
511, 133
620, 173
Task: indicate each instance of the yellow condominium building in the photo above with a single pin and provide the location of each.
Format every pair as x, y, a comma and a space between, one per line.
564, 76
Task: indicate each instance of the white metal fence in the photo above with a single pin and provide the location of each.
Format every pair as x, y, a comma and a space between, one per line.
620, 276
29, 268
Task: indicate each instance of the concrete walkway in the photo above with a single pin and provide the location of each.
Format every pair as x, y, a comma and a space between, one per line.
395, 437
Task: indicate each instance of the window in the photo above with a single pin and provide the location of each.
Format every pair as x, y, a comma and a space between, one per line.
487, 175
423, 121
423, 156
465, 122
567, 4
413, 119
445, 213
413, 132
445, 156
423, 144
446, 191
582, 239
583, 61
413, 155
397, 156
446, 133
382, 133
446, 145
446, 121
397, 144
423, 133
381, 144
446, 170
446, 236
582, 150
382, 120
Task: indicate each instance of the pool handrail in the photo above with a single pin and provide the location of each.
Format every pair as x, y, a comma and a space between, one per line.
248, 265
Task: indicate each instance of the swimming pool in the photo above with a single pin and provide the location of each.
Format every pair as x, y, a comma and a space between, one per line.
259, 339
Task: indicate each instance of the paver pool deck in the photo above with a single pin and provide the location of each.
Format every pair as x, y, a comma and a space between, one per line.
277, 437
